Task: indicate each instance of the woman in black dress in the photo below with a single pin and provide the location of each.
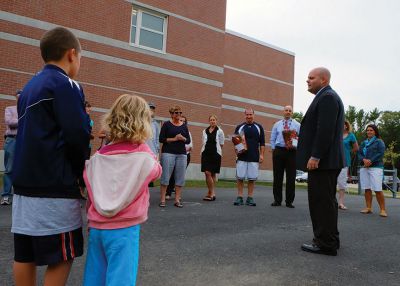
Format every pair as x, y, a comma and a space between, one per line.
211, 153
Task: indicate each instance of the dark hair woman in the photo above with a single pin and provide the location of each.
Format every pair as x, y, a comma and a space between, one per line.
370, 156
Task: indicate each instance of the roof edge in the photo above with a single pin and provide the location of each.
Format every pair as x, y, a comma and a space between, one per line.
259, 42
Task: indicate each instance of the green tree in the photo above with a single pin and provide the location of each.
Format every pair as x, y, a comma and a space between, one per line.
350, 115
359, 119
389, 129
388, 123
298, 116
374, 115
391, 158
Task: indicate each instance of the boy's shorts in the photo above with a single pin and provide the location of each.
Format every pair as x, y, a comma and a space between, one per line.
247, 170
48, 249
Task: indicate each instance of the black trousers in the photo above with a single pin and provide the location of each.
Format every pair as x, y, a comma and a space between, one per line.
284, 160
324, 207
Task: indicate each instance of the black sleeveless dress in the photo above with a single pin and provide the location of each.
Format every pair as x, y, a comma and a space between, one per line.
210, 159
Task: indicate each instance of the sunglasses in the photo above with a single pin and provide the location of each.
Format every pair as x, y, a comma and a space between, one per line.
178, 112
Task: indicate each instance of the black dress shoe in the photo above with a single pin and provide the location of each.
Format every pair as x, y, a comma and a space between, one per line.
314, 241
290, 206
275, 204
313, 248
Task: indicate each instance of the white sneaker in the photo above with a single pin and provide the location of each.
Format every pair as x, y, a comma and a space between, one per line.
5, 201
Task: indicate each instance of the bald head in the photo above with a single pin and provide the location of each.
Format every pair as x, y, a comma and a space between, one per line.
287, 111
317, 79
324, 73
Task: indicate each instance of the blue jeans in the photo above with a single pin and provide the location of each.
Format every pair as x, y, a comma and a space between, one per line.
112, 257
9, 149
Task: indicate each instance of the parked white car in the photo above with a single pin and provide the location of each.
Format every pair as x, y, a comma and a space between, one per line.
301, 177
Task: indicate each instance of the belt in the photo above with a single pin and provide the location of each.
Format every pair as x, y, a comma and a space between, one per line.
284, 148
9, 136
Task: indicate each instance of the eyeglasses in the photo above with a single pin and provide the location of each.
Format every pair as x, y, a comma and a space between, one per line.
178, 112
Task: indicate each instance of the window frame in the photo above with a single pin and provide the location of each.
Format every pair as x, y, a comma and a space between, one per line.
139, 27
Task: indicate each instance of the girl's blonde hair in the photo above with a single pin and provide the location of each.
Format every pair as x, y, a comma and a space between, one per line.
129, 119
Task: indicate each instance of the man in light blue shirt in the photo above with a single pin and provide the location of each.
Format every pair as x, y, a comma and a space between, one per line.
153, 142
283, 141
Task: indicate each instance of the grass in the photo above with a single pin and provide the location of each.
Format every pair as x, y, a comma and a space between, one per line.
224, 184
231, 184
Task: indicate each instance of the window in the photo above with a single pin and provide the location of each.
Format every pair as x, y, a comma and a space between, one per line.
148, 30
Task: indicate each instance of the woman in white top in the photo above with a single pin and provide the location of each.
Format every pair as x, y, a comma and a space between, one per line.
211, 153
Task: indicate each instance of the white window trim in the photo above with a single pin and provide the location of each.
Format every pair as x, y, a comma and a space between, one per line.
139, 27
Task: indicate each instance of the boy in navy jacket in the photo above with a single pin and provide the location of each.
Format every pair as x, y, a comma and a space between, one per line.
49, 158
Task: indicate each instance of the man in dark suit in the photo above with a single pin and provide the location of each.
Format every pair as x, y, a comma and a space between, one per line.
320, 152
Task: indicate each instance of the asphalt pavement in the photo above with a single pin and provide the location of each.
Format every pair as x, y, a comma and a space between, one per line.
218, 244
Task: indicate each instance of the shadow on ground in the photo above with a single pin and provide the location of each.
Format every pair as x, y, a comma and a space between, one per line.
216, 243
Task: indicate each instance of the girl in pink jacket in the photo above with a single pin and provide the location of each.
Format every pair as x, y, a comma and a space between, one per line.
117, 179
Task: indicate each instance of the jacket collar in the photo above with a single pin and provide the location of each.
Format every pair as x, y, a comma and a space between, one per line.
325, 88
54, 67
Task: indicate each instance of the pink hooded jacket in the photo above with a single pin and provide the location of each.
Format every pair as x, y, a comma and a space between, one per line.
117, 178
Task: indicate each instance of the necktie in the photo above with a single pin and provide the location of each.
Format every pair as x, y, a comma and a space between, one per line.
286, 126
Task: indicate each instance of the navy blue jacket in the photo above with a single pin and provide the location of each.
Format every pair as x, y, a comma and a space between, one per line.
321, 132
375, 153
53, 136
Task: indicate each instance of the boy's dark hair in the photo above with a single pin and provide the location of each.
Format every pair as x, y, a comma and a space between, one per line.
55, 43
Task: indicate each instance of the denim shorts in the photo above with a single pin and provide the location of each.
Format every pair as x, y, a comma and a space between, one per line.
169, 162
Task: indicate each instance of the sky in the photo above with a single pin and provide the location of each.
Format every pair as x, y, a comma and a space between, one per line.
357, 40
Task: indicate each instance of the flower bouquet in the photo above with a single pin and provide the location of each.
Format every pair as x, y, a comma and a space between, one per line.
240, 143
291, 138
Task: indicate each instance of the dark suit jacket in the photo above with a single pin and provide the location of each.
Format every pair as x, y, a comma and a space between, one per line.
321, 132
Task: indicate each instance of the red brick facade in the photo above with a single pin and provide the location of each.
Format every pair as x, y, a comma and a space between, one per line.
205, 69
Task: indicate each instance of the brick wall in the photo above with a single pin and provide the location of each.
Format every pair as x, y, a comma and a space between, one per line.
202, 69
